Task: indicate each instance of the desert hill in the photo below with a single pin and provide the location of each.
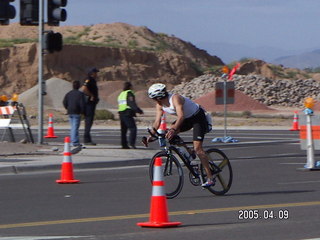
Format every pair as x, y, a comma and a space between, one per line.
121, 51
118, 35
124, 52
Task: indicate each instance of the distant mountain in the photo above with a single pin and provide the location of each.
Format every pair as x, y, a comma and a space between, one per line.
302, 61
234, 52
301, 58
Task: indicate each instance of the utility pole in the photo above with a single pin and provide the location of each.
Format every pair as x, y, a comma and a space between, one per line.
41, 83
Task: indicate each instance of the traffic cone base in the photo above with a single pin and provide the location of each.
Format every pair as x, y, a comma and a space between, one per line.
50, 135
67, 181
159, 225
159, 218
158, 210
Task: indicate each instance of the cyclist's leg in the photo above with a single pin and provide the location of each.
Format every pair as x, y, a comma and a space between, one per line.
203, 157
199, 130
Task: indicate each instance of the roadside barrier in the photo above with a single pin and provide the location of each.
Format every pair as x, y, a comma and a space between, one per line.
295, 123
6, 114
310, 139
67, 166
159, 209
7, 110
15, 117
50, 131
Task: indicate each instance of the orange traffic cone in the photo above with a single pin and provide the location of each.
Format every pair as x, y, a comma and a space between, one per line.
295, 124
67, 167
50, 132
163, 125
158, 210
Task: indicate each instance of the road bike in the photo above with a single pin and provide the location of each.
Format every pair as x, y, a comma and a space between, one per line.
177, 153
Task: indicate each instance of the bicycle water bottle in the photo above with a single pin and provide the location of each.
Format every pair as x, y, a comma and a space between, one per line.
162, 142
186, 154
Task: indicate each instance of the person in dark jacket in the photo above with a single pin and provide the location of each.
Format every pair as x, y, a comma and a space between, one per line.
127, 111
90, 89
74, 103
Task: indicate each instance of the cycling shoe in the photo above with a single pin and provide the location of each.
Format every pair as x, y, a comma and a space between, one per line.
208, 183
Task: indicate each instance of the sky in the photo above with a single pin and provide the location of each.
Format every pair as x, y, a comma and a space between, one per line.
283, 24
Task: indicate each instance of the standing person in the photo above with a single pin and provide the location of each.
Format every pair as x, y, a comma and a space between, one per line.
127, 111
90, 89
74, 103
189, 115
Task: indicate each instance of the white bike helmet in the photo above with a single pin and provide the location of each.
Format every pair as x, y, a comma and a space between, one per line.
157, 90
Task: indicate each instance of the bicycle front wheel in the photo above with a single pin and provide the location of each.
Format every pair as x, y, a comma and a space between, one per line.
172, 173
221, 169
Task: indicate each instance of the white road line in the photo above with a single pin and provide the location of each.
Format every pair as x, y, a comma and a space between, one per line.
304, 182
42, 237
292, 163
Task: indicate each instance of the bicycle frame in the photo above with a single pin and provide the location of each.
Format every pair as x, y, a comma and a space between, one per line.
172, 148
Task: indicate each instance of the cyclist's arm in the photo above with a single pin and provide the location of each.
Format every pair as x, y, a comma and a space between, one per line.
178, 102
157, 121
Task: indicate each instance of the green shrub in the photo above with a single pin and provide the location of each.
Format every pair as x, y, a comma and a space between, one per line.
246, 114
12, 42
133, 44
104, 115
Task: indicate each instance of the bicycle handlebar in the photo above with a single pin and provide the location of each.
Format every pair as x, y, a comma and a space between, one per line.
156, 134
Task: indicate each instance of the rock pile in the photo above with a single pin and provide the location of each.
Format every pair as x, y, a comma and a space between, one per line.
271, 92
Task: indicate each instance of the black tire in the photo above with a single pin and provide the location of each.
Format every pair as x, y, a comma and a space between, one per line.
172, 173
221, 168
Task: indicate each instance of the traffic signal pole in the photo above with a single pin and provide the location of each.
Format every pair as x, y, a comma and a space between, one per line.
32, 14
40, 72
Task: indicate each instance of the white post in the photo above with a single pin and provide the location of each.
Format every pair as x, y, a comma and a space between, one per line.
225, 107
310, 146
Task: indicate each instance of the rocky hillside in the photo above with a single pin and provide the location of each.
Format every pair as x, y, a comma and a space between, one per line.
120, 51
271, 92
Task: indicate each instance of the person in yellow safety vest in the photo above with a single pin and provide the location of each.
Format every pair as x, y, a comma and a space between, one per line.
127, 111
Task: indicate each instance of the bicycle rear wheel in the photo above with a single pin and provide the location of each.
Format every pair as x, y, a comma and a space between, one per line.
221, 169
172, 173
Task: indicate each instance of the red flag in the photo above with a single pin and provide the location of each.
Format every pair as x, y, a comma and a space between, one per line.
233, 71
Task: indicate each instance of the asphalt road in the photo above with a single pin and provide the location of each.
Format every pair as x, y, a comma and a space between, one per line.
112, 136
271, 198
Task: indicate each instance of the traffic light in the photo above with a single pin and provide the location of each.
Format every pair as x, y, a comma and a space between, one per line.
29, 12
7, 11
53, 42
55, 12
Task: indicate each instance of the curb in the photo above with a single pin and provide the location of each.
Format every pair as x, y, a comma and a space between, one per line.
79, 166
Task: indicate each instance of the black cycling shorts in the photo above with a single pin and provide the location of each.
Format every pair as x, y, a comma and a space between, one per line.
198, 122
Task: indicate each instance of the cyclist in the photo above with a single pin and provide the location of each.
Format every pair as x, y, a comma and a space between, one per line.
189, 115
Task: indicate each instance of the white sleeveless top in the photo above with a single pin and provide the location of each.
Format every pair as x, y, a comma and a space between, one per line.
189, 107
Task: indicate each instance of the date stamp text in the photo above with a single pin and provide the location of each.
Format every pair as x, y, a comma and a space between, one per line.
255, 214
